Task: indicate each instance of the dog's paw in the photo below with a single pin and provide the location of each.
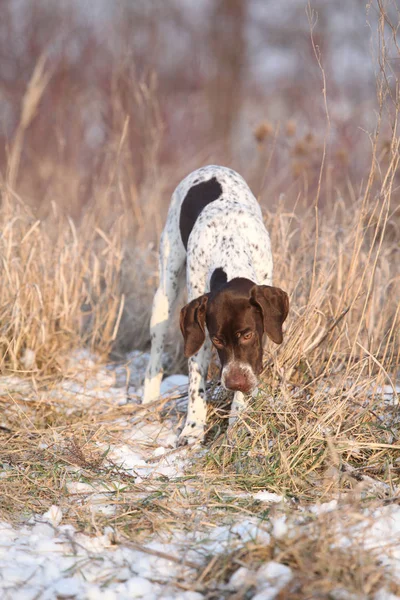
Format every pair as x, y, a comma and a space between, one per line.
192, 433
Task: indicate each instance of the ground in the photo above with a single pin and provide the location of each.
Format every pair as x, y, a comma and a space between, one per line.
129, 515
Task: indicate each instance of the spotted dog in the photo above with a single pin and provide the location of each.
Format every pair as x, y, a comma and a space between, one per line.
215, 231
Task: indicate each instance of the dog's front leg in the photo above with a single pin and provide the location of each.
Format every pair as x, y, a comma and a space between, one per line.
239, 404
194, 428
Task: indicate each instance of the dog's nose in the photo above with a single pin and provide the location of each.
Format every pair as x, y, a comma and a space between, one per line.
238, 382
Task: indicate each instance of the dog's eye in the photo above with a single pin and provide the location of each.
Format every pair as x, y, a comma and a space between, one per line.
248, 335
217, 342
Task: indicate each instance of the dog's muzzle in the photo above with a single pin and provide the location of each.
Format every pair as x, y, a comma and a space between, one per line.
239, 377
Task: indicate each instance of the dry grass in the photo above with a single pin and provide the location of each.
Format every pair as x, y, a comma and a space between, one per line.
319, 428
61, 288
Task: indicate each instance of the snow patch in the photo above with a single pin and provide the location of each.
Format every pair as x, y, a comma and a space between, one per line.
175, 384
325, 507
53, 515
266, 496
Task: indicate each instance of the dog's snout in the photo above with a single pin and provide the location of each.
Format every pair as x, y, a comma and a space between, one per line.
238, 381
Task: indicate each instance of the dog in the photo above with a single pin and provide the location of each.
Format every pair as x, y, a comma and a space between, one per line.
215, 231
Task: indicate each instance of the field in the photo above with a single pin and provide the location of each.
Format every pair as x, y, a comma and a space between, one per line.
300, 500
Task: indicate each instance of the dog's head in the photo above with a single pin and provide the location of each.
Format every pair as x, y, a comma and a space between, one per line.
237, 316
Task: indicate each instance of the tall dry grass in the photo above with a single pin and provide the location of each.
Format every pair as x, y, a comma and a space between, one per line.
60, 282
66, 280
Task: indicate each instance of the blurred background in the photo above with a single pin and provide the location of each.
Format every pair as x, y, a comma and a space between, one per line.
105, 106
184, 83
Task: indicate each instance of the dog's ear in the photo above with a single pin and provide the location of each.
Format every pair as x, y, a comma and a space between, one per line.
274, 306
192, 323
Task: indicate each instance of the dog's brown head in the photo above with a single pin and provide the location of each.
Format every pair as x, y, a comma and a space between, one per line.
237, 315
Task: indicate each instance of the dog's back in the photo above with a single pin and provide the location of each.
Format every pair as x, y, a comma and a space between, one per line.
218, 222
202, 188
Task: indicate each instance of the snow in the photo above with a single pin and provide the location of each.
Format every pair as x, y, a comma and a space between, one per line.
385, 595
266, 496
49, 558
37, 557
268, 580
325, 507
243, 576
271, 578
53, 515
174, 383
381, 532
390, 394
223, 537
279, 527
